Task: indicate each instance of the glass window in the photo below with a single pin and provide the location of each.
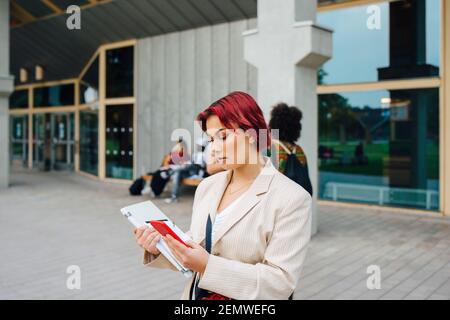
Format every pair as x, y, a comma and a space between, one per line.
380, 147
19, 99
19, 138
89, 141
62, 140
406, 44
119, 72
89, 84
40, 135
119, 141
61, 95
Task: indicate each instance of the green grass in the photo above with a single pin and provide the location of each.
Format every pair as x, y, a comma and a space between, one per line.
376, 153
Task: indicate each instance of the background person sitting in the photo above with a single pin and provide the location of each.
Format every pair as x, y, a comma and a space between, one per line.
188, 168
161, 176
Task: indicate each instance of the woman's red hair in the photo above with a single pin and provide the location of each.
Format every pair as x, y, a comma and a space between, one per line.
239, 110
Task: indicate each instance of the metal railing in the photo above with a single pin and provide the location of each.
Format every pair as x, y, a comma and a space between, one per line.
381, 195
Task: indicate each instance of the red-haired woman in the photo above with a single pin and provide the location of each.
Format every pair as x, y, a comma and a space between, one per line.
250, 223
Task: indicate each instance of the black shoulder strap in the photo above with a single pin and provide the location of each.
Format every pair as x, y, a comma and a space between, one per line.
194, 288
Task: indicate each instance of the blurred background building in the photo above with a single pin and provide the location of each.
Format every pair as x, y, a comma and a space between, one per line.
103, 100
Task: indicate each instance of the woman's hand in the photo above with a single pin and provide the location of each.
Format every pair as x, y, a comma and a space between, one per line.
194, 258
147, 237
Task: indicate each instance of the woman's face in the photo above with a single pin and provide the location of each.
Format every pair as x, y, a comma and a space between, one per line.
231, 148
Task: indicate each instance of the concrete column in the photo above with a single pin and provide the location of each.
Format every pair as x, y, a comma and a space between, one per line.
6, 87
287, 48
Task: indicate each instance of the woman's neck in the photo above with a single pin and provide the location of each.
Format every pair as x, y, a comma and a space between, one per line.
248, 172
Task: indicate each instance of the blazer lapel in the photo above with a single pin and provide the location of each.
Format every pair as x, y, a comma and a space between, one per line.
241, 209
216, 193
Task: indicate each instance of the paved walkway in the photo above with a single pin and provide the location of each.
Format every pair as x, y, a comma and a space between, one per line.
51, 221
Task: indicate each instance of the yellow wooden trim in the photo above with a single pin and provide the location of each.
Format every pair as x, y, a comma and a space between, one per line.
102, 117
46, 84
21, 87
88, 175
445, 109
442, 149
52, 6
379, 208
85, 6
70, 108
88, 65
135, 118
89, 106
44, 110
442, 112
119, 44
20, 13
347, 4
117, 101
418, 83
14, 112
77, 93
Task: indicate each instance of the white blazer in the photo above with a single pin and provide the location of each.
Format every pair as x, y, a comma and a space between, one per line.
259, 250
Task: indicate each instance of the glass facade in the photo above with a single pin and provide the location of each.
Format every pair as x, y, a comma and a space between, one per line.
53, 141
119, 72
19, 99
39, 136
19, 138
377, 146
53, 96
89, 141
381, 146
62, 138
406, 44
54, 145
119, 141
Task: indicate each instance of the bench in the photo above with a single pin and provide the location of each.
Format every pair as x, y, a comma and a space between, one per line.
186, 181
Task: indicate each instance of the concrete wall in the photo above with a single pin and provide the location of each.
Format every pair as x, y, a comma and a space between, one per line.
6, 87
179, 75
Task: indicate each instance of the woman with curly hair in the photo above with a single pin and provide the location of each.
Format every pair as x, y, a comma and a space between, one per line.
291, 159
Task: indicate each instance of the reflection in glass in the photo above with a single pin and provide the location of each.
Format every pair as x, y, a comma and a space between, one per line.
53, 141
61, 95
119, 72
89, 141
39, 131
406, 44
62, 141
19, 139
19, 99
119, 141
380, 147
89, 84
